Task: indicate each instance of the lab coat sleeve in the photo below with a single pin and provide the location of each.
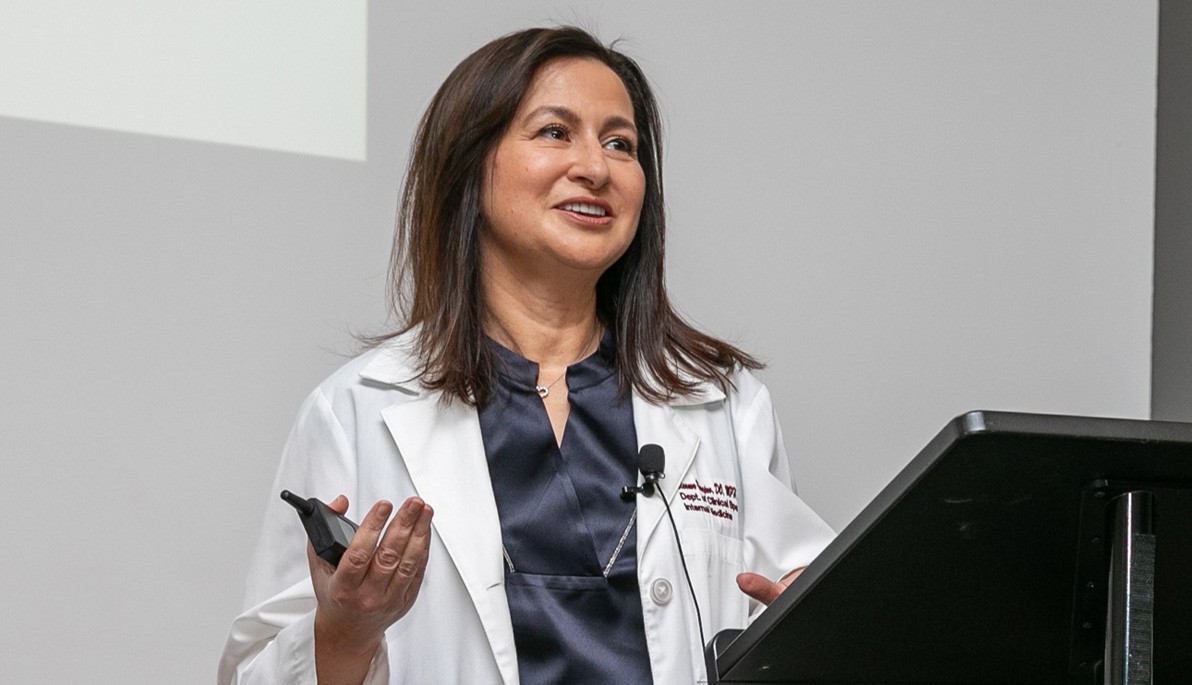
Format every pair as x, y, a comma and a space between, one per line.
273, 640
273, 643
781, 533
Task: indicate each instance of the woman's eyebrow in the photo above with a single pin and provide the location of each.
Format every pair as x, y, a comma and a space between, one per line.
572, 119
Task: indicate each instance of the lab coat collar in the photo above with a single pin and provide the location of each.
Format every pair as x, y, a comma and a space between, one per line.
394, 363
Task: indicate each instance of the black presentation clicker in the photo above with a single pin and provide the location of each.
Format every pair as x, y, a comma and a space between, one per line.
329, 532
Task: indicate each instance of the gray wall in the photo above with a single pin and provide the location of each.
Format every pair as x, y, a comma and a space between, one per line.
910, 210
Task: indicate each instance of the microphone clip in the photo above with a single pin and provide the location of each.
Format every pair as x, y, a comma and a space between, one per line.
647, 488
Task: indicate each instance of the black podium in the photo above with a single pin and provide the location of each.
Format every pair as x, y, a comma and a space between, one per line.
1015, 548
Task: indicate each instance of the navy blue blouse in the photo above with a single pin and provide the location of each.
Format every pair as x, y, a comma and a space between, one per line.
570, 540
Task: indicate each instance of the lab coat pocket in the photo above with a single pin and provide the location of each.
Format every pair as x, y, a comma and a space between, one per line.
714, 560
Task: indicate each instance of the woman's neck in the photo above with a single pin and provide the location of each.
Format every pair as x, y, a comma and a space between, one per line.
549, 325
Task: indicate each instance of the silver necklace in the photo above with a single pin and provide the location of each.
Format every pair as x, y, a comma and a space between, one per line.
544, 390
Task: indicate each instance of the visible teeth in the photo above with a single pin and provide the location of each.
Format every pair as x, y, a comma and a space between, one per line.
582, 208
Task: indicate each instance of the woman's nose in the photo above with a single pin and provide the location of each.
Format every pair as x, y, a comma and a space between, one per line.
589, 165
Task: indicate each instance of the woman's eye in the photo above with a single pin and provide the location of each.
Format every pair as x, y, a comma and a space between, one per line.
554, 132
620, 145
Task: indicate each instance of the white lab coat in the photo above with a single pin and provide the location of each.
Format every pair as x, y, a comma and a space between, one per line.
370, 432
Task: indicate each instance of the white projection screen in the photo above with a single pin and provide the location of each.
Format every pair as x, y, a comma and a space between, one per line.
279, 75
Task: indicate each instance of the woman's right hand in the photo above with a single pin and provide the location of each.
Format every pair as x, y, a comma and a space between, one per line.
374, 585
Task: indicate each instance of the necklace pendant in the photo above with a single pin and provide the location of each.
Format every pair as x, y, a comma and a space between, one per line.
542, 390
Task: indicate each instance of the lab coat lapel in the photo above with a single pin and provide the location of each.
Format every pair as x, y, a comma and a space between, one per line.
444, 454
666, 425
661, 425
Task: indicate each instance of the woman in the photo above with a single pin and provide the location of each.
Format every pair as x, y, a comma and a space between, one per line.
537, 352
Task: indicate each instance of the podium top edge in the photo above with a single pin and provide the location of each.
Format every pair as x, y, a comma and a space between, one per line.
982, 421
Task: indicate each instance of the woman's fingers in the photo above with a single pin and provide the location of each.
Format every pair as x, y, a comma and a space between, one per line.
413, 568
759, 587
762, 588
378, 577
790, 576
357, 559
396, 557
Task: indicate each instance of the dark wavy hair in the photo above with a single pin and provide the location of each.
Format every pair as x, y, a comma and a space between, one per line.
434, 284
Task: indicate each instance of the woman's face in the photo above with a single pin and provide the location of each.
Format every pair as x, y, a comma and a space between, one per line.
563, 188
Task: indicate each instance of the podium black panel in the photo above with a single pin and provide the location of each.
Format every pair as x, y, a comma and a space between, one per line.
985, 561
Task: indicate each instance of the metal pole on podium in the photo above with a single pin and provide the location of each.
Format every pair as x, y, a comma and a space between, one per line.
1129, 622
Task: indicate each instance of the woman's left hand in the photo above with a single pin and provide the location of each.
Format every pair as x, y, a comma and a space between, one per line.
763, 589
